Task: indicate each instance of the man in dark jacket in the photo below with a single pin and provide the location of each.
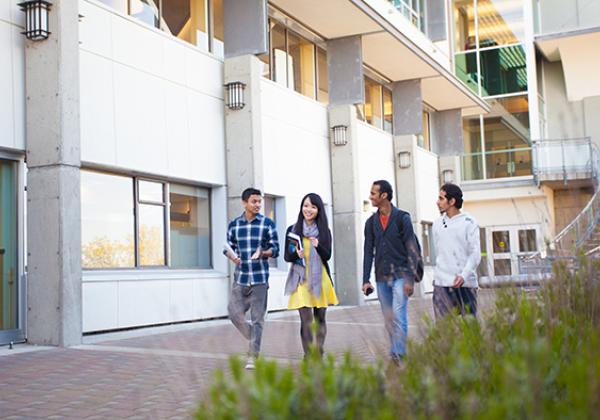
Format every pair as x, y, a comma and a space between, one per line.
390, 239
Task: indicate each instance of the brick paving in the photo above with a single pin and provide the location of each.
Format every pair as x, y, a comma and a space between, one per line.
163, 376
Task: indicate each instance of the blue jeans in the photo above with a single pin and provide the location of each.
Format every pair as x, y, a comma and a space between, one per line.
393, 305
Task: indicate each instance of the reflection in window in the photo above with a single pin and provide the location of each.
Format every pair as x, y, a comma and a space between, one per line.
373, 111
387, 111
527, 240
150, 191
145, 10
501, 241
189, 227
472, 160
502, 267
278, 54
322, 76
500, 22
187, 20
465, 68
151, 234
464, 25
107, 222
301, 65
218, 30
427, 241
482, 269
503, 70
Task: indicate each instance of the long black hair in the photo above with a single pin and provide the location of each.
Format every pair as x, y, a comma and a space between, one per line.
321, 219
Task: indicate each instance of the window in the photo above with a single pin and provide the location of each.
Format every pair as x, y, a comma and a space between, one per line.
189, 218
378, 108
427, 243
387, 111
413, 10
130, 229
423, 139
199, 22
107, 226
270, 211
296, 62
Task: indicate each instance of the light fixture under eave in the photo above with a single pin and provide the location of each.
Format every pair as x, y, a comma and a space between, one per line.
404, 160
36, 19
234, 98
339, 135
448, 176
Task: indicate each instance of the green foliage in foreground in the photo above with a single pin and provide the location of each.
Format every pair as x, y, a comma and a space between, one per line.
536, 356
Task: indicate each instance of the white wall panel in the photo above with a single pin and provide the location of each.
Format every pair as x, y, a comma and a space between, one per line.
175, 58
181, 302
95, 29
140, 120
98, 141
144, 302
203, 73
277, 299
375, 158
211, 297
100, 306
428, 185
18, 63
177, 131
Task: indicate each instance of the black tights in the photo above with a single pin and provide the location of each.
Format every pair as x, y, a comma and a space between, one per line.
306, 319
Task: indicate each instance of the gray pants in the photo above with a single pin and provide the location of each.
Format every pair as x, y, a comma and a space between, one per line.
253, 298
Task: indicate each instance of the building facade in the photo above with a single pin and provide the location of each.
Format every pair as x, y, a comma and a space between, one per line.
530, 165
124, 150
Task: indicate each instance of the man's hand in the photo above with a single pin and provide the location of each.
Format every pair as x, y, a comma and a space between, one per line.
257, 254
235, 260
458, 281
409, 288
366, 287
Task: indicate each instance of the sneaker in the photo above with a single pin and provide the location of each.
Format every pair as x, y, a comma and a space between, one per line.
250, 363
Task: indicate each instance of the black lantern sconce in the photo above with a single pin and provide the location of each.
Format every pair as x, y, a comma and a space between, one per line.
339, 135
36, 19
234, 98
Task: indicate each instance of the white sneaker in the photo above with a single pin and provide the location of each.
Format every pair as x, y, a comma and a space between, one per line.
250, 363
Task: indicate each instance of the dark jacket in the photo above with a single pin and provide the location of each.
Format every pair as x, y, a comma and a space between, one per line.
395, 249
323, 249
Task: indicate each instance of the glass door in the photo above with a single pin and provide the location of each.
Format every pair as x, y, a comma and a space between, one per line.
10, 305
508, 244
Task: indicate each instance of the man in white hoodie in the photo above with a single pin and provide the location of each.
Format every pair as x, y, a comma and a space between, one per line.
456, 241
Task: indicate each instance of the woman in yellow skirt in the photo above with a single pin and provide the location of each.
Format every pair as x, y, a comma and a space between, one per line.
309, 284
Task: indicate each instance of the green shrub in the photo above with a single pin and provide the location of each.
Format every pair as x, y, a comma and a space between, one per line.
535, 355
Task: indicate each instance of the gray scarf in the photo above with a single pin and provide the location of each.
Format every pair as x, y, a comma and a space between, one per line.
297, 272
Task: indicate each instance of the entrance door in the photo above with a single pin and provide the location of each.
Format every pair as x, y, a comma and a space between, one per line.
508, 244
10, 295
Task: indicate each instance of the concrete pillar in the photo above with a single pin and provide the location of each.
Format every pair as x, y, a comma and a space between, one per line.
407, 107
346, 88
448, 133
436, 20
243, 132
245, 27
53, 184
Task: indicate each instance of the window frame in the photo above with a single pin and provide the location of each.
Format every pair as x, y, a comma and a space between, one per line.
166, 205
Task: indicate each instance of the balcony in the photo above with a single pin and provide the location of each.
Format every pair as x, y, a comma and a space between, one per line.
413, 10
563, 161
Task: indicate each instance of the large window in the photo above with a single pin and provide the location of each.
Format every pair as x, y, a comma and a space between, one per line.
377, 109
296, 62
490, 59
125, 222
199, 22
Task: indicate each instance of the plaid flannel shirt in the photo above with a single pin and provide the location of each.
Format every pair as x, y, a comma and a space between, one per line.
245, 237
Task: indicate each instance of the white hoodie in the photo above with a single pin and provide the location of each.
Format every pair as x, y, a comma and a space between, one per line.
456, 242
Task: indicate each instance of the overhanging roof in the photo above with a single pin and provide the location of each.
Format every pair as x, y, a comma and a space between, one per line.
579, 52
389, 47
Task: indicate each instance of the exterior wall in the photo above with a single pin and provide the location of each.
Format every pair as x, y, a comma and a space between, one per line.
568, 203
152, 104
296, 162
562, 16
12, 76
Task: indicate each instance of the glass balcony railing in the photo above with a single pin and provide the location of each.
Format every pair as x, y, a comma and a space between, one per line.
494, 164
565, 159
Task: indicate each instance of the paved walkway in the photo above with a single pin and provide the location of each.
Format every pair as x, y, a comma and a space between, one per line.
163, 373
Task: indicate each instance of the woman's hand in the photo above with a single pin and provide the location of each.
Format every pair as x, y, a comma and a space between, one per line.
300, 252
314, 242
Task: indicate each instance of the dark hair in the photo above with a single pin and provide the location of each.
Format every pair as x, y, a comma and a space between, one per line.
250, 191
385, 187
453, 191
321, 219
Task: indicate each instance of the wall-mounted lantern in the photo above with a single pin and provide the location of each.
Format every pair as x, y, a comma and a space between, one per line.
234, 98
404, 160
339, 135
448, 176
36, 19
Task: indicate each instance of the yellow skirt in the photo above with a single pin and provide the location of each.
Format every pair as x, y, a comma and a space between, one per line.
303, 297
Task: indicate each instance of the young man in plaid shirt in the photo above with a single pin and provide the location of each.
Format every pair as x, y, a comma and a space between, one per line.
253, 239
